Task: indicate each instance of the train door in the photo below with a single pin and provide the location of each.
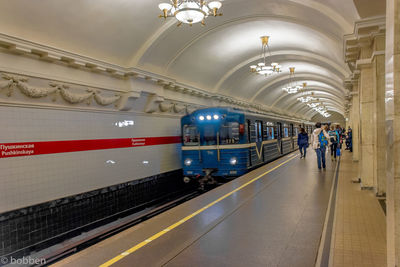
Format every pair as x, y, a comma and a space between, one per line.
259, 140
248, 128
210, 138
291, 130
279, 136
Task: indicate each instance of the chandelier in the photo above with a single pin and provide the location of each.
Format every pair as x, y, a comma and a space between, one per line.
307, 99
320, 108
190, 11
262, 67
313, 105
292, 87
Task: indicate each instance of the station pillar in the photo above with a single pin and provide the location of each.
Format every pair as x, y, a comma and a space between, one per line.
392, 107
356, 122
367, 118
365, 54
378, 69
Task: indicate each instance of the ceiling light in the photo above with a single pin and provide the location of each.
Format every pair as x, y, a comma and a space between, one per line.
262, 67
292, 87
190, 11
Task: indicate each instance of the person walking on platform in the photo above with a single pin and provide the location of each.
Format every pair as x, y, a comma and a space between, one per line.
339, 130
349, 139
334, 139
319, 141
302, 142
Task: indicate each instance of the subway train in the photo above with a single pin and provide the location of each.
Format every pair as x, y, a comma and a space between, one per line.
223, 142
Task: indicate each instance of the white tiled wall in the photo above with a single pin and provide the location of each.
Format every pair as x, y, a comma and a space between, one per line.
31, 180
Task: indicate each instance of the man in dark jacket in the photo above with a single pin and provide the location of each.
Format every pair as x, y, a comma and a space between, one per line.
302, 142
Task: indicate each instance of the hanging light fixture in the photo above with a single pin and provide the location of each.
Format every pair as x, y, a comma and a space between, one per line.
313, 105
306, 99
320, 108
190, 11
292, 87
262, 67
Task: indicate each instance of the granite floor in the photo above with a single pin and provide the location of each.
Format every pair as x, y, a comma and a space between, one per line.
359, 233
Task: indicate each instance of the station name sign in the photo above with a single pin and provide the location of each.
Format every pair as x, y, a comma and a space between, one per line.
52, 147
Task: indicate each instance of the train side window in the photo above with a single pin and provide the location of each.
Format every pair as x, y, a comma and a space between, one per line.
278, 130
229, 133
265, 132
190, 135
271, 134
286, 132
296, 132
259, 134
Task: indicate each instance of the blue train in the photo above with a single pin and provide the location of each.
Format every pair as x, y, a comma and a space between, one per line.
227, 142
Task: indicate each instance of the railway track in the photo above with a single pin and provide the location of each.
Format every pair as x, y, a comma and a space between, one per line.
95, 232
115, 228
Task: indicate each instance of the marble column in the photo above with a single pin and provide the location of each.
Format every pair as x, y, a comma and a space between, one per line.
378, 66
356, 123
392, 99
367, 122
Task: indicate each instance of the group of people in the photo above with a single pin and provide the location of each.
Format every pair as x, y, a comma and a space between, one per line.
322, 138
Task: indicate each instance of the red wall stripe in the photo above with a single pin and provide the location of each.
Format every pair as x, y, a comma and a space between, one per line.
51, 147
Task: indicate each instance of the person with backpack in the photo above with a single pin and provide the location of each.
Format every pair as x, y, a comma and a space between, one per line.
302, 142
319, 141
334, 139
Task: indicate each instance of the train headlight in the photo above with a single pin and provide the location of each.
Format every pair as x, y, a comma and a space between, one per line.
188, 162
216, 117
201, 118
233, 161
208, 117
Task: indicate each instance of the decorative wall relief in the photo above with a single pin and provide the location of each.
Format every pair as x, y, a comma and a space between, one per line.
34, 92
68, 94
127, 101
178, 108
190, 109
164, 107
73, 97
153, 103
105, 100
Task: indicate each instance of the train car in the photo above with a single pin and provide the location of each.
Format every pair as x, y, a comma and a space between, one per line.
226, 142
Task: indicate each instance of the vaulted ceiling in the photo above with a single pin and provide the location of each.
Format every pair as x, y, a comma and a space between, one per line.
306, 34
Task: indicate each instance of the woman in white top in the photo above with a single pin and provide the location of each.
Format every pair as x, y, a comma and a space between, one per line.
319, 142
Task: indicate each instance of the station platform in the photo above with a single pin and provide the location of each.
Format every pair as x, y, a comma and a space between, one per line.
272, 216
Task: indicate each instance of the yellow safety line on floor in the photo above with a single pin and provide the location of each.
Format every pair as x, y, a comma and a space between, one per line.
169, 228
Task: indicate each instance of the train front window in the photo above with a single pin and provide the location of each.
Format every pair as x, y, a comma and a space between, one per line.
190, 135
210, 135
229, 133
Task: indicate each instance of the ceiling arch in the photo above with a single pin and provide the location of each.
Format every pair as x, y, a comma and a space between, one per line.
287, 55
285, 98
276, 84
335, 117
293, 103
215, 58
241, 20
